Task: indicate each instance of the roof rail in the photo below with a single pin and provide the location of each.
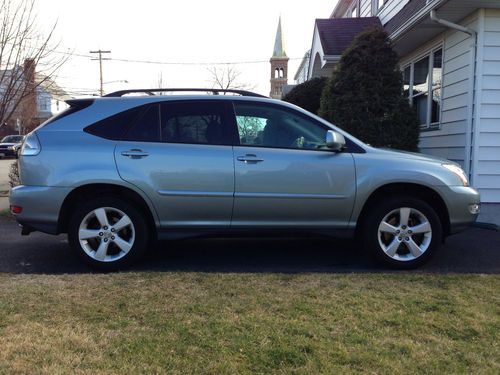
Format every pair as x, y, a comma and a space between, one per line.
120, 93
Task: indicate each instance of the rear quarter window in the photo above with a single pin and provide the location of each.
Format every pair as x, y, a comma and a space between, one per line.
115, 127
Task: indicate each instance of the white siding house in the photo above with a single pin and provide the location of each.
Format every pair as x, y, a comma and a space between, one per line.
28, 110
450, 58
486, 161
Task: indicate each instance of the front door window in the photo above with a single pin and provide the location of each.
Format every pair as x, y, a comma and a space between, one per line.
268, 126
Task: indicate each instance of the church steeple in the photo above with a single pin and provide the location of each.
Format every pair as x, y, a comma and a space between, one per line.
279, 65
279, 43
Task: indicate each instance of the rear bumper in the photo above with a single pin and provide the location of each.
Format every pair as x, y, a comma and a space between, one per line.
40, 206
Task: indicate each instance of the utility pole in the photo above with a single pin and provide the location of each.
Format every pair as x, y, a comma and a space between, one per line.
100, 58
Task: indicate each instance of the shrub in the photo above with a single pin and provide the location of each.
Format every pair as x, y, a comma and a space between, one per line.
14, 175
307, 95
364, 96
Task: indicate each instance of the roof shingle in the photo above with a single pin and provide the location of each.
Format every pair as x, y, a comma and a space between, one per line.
336, 34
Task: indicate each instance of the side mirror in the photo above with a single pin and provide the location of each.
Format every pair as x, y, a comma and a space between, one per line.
335, 140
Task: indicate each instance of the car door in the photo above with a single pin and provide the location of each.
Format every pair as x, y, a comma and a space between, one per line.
179, 153
284, 175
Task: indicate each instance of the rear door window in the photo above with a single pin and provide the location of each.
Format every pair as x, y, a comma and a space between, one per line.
146, 126
196, 122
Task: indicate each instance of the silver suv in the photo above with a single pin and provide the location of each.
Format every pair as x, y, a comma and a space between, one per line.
120, 171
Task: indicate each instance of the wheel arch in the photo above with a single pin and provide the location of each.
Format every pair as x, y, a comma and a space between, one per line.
88, 191
423, 192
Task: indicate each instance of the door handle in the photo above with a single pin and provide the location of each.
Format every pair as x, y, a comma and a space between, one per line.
249, 159
135, 153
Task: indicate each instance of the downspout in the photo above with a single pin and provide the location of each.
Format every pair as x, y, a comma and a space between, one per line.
469, 150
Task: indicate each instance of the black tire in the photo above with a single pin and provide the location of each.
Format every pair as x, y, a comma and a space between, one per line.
389, 209
134, 235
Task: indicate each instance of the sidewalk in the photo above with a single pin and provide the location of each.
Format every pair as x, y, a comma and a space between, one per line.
4, 184
490, 213
4, 203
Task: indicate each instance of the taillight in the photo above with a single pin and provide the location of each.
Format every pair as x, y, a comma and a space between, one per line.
31, 145
16, 210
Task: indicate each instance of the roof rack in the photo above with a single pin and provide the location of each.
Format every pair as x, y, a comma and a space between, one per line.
120, 93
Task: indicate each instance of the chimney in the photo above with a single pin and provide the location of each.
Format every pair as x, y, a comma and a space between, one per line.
29, 72
29, 104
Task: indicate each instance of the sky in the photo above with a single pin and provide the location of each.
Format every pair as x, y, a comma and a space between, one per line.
200, 33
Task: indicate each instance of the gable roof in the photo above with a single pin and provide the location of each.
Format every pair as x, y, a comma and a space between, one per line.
336, 34
42, 82
48, 85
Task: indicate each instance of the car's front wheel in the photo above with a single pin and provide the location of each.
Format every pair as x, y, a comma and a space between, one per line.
402, 232
108, 233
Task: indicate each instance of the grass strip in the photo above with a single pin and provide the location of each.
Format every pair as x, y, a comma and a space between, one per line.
217, 323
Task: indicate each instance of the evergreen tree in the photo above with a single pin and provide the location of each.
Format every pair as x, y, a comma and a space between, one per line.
364, 96
307, 95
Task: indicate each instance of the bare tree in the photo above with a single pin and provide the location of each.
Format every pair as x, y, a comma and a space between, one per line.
27, 60
227, 77
161, 83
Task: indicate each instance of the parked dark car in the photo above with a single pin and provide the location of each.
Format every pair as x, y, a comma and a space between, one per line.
10, 145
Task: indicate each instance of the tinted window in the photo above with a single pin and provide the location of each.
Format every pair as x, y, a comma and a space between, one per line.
269, 126
115, 126
200, 122
146, 127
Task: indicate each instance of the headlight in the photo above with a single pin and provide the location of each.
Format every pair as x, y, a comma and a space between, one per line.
459, 172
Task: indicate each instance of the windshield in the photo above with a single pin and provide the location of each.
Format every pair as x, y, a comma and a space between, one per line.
12, 139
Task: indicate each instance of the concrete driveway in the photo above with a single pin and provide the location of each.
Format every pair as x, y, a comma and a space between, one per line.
473, 251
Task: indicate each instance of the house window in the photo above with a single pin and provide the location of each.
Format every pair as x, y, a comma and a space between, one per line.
44, 104
422, 86
377, 5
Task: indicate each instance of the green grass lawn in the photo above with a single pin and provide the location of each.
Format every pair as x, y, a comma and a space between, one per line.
5, 213
215, 323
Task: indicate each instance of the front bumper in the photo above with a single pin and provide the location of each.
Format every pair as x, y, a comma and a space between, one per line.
7, 152
40, 206
463, 205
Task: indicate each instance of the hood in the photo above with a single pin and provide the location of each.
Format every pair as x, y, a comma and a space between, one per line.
412, 155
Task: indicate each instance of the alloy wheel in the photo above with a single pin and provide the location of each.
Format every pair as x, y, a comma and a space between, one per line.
106, 234
404, 234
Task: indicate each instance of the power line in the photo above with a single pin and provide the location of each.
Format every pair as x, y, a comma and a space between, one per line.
198, 63
244, 62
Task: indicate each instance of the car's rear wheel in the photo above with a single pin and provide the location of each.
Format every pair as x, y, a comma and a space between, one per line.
402, 232
108, 233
